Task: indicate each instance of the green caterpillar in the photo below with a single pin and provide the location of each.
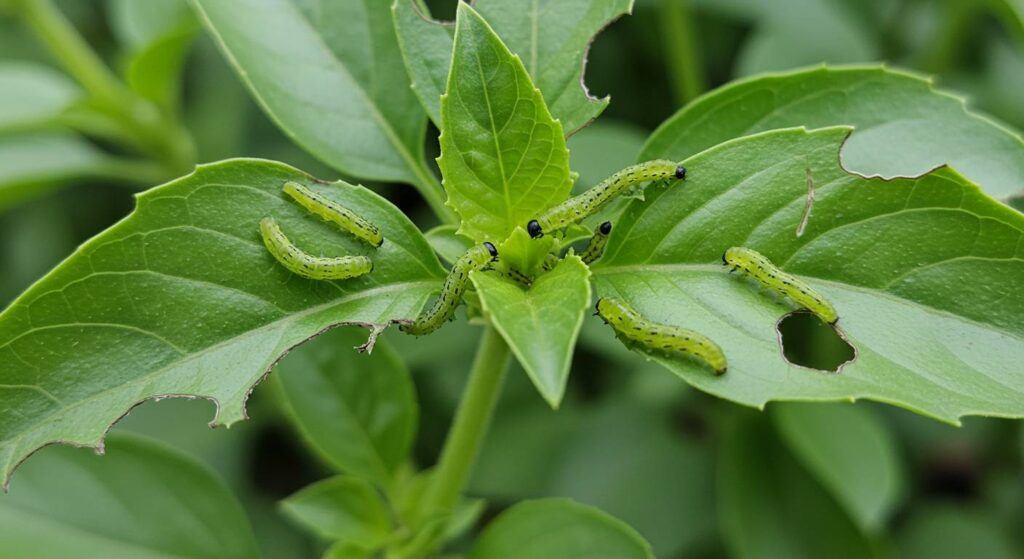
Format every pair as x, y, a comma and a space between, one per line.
476, 258
632, 327
578, 207
595, 248
305, 265
755, 266
331, 211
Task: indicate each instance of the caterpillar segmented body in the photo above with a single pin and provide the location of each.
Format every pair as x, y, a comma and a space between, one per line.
757, 267
578, 207
476, 258
313, 267
632, 327
334, 212
595, 248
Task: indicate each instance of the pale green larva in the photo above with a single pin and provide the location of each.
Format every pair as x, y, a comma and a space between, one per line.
443, 309
578, 207
308, 266
630, 326
334, 212
756, 266
595, 248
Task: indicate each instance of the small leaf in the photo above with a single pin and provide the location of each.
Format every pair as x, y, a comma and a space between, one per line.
503, 157
558, 529
357, 411
331, 77
522, 253
904, 127
540, 324
553, 37
927, 276
852, 454
182, 298
342, 508
139, 499
771, 507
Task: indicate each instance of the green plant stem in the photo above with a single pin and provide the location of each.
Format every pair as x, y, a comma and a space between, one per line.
433, 193
143, 124
678, 40
471, 422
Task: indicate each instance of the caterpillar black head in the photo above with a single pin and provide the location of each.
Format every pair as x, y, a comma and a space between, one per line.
490, 248
533, 228
680, 172
606, 228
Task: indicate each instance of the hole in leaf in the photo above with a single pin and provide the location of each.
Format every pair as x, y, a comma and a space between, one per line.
810, 342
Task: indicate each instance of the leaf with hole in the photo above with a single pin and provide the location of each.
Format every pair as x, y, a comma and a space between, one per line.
181, 298
926, 276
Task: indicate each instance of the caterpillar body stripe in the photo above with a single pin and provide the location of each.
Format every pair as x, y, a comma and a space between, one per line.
595, 248
632, 327
476, 258
334, 212
757, 267
313, 267
578, 207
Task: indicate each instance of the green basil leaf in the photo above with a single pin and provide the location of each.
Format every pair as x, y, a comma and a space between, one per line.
358, 411
927, 276
503, 156
182, 298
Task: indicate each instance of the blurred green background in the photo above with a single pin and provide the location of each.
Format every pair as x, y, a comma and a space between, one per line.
630, 438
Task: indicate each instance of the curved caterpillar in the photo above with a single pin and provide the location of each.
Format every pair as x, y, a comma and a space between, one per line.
632, 327
756, 266
313, 267
334, 212
595, 248
578, 207
476, 258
